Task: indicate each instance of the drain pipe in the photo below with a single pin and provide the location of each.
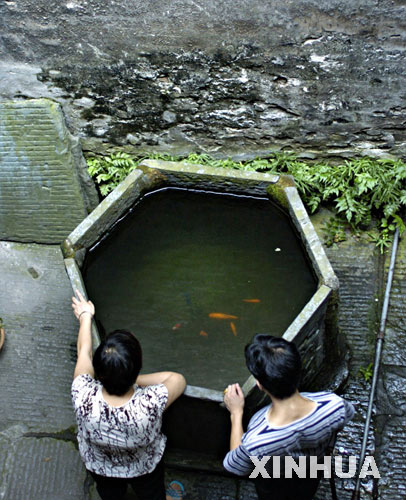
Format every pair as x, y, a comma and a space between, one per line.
378, 351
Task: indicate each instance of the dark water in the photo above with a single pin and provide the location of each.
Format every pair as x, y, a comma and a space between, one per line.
181, 255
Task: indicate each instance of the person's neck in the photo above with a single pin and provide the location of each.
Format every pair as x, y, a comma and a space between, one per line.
288, 410
114, 400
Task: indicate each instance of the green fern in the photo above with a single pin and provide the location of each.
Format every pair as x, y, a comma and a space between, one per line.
367, 372
109, 171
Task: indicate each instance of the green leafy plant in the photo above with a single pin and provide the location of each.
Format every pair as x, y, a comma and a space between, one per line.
367, 372
109, 171
334, 231
358, 189
384, 238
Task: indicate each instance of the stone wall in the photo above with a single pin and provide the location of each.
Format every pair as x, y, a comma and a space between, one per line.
232, 77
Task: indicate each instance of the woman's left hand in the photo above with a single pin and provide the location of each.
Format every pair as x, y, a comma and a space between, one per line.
80, 306
234, 399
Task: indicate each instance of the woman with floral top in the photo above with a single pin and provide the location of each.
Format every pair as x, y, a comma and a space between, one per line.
119, 413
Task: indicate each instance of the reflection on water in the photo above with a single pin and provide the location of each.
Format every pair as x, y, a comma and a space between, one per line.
194, 276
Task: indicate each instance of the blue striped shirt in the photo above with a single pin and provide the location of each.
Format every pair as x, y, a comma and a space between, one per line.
308, 436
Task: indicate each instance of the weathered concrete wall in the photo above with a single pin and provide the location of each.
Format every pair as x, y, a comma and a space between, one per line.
234, 76
45, 190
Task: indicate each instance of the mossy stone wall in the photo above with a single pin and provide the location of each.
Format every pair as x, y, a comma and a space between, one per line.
45, 190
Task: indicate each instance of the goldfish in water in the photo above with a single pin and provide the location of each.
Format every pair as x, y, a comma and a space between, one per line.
222, 316
203, 333
233, 328
175, 327
252, 301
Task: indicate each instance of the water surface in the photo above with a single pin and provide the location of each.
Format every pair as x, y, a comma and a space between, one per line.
179, 256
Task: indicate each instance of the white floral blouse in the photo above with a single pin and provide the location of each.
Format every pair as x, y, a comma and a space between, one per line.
123, 441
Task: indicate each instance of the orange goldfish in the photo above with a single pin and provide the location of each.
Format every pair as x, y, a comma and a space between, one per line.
252, 301
222, 316
203, 333
175, 327
233, 328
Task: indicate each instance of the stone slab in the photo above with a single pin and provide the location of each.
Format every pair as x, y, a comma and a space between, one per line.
37, 361
393, 349
394, 381
45, 469
356, 264
45, 190
9, 439
392, 465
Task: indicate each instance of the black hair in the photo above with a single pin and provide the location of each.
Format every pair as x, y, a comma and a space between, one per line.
118, 361
275, 363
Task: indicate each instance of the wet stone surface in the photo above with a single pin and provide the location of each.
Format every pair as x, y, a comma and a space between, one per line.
37, 462
357, 266
394, 385
391, 399
36, 363
391, 463
45, 188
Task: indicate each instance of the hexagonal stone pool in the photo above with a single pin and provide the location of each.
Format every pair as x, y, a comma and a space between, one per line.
195, 260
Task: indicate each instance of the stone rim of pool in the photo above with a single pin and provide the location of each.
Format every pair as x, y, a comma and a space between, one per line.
308, 328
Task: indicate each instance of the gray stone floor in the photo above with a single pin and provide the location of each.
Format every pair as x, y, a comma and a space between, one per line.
38, 455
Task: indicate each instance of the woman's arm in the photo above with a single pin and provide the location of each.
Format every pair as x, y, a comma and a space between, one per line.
152, 378
84, 312
234, 401
174, 382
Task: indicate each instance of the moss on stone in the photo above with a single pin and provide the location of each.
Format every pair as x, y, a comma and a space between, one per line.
156, 177
277, 191
67, 249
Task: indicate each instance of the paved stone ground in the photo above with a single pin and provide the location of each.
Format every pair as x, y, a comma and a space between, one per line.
391, 400
357, 267
38, 455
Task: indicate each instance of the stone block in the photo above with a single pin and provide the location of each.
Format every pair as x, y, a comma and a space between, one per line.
38, 358
45, 469
45, 190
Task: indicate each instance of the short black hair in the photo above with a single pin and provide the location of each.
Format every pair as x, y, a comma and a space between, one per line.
118, 361
275, 363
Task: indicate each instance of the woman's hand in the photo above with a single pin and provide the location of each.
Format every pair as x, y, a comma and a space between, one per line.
234, 399
82, 307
